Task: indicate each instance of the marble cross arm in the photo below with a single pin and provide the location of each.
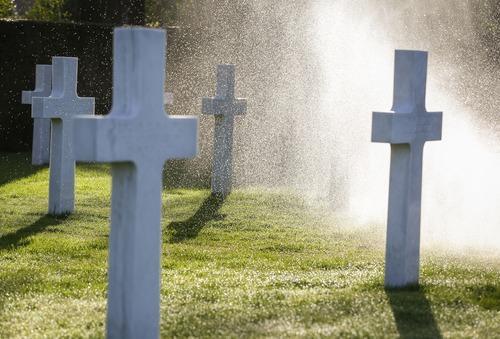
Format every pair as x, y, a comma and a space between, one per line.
404, 128
215, 106
110, 139
53, 107
63, 101
43, 84
26, 96
182, 145
224, 102
88, 135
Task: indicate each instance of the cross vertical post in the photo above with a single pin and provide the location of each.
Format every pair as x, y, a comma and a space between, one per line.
40, 152
136, 137
225, 107
406, 129
61, 107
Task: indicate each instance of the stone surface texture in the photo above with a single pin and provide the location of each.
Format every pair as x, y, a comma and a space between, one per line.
407, 129
40, 154
168, 98
225, 107
62, 106
137, 137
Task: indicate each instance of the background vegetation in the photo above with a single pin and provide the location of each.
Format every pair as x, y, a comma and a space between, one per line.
7, 8
157, 12
49, 10
485, 14
163, 12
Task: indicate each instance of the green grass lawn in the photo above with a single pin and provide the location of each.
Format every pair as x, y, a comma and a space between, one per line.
258, 264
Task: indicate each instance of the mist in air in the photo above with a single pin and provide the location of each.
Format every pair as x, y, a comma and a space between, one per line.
313, 72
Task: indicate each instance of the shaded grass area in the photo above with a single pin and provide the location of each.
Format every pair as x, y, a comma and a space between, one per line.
413, 313
14, 166
257, 264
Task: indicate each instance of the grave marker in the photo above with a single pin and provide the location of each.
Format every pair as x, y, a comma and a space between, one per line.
40, 152
61, 107
168, 98
225, 107
137, 137
407, 130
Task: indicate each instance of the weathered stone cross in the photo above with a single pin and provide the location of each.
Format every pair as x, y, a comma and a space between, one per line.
61, 107
168, 98
137, 137
40, 152
224, 106
407, 130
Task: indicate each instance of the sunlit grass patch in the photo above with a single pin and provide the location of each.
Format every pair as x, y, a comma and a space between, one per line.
260, 263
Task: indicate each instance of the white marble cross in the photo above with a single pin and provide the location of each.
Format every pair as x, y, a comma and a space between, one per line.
225, 107
168, 98
407, 130
137, 137
61, 107
40, 152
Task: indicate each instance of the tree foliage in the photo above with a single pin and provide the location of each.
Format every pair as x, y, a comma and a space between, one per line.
48, 10
116, 12
162, 12
7, 8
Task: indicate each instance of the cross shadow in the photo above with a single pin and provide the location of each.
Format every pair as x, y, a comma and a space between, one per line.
15, 166
16, 239
188, 229
413, 314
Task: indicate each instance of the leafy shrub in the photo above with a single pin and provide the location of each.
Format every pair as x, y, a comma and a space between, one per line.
7, 8
48, 10
162, 12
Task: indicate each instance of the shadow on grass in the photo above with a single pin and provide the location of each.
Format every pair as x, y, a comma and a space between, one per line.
413, 314
16, 239
487, 296
188, 229
14, 166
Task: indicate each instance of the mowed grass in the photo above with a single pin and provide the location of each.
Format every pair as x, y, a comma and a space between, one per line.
259, 264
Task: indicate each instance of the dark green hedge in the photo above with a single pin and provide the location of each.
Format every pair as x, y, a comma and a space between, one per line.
25, 44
